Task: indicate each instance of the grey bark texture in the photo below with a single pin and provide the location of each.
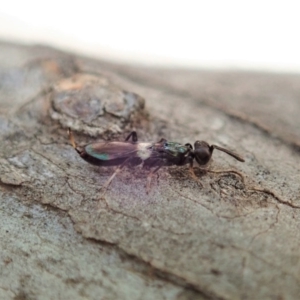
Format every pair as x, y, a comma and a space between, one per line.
233, 237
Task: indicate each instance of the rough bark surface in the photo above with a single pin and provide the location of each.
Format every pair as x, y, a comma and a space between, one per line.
231, 238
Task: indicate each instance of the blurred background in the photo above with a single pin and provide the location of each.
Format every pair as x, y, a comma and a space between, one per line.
255, 35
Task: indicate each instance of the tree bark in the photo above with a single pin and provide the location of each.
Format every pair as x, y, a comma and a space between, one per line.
235, 235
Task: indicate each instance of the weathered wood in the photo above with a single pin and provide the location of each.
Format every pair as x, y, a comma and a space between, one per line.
230, 239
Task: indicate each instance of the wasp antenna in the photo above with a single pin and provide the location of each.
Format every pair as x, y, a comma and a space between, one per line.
71, 137
236, 156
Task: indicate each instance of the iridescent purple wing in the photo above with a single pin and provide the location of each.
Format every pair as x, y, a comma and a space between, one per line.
111, 150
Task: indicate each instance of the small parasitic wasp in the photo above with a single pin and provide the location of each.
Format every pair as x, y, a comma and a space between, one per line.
152, 155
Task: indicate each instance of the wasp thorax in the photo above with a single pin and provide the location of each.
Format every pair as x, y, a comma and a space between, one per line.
202, 152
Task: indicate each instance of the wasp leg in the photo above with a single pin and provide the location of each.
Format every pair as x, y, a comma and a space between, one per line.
132, 135
162, 140
108, 182
191, 169
149, 177
158, 163
71, 137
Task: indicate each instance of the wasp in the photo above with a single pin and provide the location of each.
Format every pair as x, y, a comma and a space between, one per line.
151, 155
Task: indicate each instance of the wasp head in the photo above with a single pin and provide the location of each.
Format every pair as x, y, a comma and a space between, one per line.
202, 152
